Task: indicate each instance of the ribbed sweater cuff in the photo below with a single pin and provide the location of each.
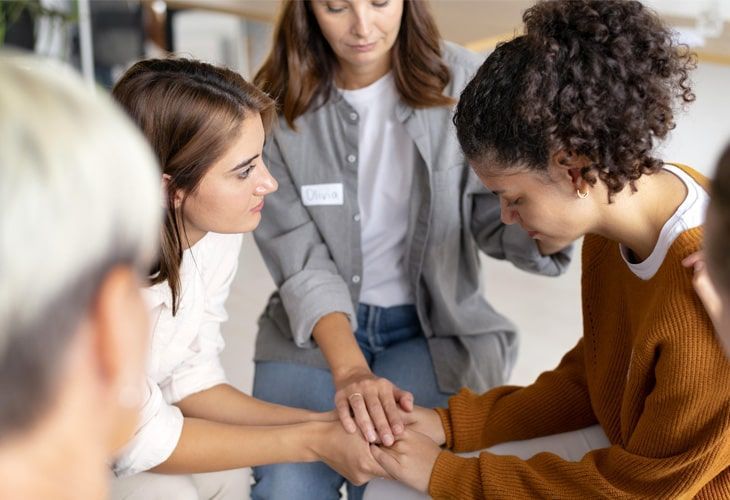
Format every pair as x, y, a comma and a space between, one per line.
455, 477
446, 423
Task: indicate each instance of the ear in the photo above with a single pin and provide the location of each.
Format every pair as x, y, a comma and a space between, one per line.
569, 165
120, 324
165, 189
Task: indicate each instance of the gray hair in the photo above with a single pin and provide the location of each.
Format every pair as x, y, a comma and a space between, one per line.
79, 194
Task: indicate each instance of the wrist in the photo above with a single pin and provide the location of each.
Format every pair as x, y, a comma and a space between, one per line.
311, 436
438, 428
350, 372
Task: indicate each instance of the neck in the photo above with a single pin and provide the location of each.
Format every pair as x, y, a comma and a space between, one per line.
353, 77
189, 234
53, 460
635, 219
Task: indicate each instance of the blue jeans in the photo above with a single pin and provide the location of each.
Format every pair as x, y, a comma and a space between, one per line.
395, 348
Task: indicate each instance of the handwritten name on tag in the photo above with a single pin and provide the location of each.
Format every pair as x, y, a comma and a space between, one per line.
322, 194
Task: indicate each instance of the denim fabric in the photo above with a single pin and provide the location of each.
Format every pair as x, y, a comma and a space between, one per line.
394, 346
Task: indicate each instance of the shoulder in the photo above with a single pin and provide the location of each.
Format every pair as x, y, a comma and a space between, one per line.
462, 62
460, 57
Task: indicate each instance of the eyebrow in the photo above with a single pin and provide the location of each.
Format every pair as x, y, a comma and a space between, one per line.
244, 163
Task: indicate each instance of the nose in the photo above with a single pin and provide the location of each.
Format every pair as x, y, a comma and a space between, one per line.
508, 214
362, 25
266, 184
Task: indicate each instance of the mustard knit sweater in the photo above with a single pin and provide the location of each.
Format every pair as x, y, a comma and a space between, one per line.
648, 370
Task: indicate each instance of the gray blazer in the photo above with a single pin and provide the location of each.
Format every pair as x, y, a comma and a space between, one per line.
314, 252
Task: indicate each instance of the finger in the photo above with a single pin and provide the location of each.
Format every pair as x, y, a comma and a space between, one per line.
375, 409
392, 413
343, 412
362, 417
386, 459
404, 398
690, 260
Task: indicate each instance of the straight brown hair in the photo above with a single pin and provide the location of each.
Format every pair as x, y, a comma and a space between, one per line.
300, 68
190, 113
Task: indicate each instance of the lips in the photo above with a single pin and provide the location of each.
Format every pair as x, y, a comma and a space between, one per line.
363, 47
258, 207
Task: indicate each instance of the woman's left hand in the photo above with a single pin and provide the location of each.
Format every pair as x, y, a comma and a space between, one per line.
376, 405
410, 460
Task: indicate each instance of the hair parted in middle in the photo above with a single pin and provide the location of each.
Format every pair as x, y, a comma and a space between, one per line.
597, 78
299, 72
190, 112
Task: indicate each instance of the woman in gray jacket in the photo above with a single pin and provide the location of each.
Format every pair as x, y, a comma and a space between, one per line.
375, 229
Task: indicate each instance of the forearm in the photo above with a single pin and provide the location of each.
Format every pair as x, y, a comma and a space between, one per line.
334, 337
558, 401
226, 404
206, 446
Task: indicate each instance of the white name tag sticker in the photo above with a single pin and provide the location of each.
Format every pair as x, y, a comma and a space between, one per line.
322, 194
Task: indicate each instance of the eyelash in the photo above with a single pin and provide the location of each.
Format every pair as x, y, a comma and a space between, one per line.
246, 172
334, 10
518, 201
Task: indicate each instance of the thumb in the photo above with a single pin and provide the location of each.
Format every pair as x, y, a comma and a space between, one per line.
404, 398
386, 460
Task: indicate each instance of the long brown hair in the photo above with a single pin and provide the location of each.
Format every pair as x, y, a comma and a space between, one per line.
190, 112
300, 69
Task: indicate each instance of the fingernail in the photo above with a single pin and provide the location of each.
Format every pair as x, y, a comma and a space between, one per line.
351, 428
387, 440
372, 437
397, 428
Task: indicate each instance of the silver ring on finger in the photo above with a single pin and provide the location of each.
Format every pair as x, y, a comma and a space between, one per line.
349, 398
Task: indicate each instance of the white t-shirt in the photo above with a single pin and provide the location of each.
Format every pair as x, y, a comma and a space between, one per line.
689, 214
385, 173
184, 349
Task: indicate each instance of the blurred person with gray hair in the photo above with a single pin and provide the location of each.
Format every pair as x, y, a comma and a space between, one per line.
79, 217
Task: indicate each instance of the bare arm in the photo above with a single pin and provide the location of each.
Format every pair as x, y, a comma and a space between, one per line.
225, 404
206, 446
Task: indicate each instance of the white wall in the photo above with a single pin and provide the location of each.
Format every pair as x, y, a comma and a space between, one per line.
704, 130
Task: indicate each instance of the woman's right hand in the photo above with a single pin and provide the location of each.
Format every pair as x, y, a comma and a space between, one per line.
426, 421
372, 404
348, 454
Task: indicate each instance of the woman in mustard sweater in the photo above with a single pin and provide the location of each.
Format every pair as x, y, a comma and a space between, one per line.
560, 123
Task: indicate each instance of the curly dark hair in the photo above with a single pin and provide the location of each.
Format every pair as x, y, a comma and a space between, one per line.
718, 243
596, 78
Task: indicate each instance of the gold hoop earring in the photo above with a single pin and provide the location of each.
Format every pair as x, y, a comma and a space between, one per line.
581, 194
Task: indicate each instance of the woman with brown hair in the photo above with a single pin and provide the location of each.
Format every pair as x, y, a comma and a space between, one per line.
207, 126
375, 229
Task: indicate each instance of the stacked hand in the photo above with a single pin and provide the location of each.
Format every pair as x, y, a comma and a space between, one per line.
348, 454
410, 460
372, 404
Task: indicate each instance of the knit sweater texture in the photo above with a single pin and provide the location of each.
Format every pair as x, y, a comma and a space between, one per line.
648, 369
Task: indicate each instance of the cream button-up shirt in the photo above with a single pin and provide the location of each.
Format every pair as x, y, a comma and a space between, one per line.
184, 349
